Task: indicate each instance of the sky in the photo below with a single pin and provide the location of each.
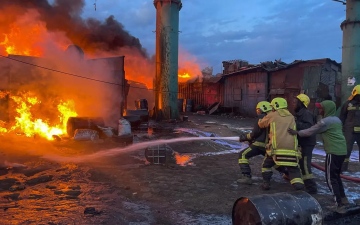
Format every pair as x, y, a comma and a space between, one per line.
252, 30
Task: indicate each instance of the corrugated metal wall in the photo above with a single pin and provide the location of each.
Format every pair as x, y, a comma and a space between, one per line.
244, 91
203, 94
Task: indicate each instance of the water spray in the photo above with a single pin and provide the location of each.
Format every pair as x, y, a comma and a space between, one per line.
130, 148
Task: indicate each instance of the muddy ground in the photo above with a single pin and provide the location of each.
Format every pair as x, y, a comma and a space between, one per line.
195, 186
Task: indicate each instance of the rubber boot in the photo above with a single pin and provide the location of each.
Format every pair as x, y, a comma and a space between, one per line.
265, 186
298, 186
345, 201
310, 186
245, 179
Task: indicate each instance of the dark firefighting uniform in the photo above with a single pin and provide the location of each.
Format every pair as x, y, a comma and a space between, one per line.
258, 138
350, 117
282, 149
305, 119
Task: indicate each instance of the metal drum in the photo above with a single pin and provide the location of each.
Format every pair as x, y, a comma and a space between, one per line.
298, 208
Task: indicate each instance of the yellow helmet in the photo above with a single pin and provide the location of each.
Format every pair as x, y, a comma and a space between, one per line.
264, 106
304, 99
279, 103
355, 91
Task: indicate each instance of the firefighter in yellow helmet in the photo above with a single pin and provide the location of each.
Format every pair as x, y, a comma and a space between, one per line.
282, 149
350, 117
258, 138
304, 120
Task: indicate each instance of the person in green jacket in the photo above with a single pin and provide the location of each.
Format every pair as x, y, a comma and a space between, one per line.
330, 128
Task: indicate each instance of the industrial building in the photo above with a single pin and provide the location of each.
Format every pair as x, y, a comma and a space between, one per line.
242, 85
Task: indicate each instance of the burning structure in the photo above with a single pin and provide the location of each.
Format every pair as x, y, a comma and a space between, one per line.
42, 83
36, 100
167, 39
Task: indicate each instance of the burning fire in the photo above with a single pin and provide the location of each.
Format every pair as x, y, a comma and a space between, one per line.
26, 123
189, 68
13, 40
184, 75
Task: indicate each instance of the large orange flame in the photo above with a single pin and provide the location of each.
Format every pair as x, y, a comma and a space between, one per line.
24, 35
30, 126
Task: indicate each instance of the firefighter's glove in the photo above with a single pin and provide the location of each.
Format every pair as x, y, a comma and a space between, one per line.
292, 132
242, 137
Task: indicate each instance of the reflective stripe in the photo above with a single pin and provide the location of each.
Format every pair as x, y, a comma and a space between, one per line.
347, 160
266, 170
243, 159
286, 152
308, 176
273, 132
259, 144
352, 108
286, 158
280, 163
248, 136
295, 138
296, 180
357, 129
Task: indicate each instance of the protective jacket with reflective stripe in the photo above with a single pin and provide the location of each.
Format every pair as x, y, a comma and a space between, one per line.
282, 145
258, 135
350, 116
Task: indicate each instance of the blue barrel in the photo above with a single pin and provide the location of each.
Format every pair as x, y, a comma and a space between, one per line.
298, 208
141, 104
188, 105
180, 104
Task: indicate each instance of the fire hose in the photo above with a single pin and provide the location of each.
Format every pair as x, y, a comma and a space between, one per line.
354, 179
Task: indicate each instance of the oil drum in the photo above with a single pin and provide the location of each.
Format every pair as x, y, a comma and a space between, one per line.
75, 123
297, 208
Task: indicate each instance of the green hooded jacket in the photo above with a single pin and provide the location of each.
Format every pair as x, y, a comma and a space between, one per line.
330, 128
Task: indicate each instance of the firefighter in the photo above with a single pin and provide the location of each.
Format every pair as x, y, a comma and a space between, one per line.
282, 149
350, 117
258, 139
330, 128
305, 119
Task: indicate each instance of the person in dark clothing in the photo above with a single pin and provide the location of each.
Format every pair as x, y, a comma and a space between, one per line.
257, 138
350, 117
330, 128
305, 119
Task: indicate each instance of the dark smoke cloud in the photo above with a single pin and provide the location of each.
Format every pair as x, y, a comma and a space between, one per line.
65, 15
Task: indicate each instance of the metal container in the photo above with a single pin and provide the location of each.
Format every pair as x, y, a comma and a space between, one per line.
188, 105
298, 208
75, 123
180, 104
141, 104
124, 127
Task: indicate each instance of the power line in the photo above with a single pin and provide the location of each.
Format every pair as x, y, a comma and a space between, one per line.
58, 71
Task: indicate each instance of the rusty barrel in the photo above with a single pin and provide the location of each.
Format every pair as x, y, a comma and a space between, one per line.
74, 123
296, 208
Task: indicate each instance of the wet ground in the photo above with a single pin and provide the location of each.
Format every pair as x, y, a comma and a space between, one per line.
195, 186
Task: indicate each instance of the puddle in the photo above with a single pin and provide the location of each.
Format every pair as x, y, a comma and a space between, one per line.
211, 219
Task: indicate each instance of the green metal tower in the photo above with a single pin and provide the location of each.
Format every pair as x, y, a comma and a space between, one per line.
350, 48
167, 50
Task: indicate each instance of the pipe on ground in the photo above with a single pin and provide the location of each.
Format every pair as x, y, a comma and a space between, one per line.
354, 179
